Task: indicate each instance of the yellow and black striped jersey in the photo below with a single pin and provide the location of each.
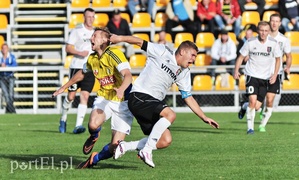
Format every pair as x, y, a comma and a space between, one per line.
106, 70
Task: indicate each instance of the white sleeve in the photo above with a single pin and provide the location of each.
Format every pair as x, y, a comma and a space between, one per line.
124, 65
185, 83
277, 51
73, 37
245, 49
287, 46
155, 50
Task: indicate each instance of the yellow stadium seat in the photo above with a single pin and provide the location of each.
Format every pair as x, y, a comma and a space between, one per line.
174, 87
161, 3
242, 34
80, 3
96, 86
68, 61
203, 60
120, 3
126, 16
143, 36
100, 19
4, 4
202, 83
1, 40
271, 2
167, 37
137, 60
267, 14
3, 21
220, 85
295, 58
141, 19
250, 17
100, 3
182, 36
292, 83
134, 77
193, 2
77, 18
242, 82
160, 19
204, 40
293, 37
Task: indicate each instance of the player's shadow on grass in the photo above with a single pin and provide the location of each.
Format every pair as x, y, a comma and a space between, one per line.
259, 122
211, 130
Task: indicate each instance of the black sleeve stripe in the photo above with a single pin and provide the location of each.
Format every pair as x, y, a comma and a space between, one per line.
114, 56
144, 45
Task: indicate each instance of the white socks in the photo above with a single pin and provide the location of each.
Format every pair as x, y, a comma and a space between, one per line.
65, 108
268, 114
81, 111
135, 145
250, 114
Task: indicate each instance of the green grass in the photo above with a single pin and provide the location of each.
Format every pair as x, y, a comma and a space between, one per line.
197, 151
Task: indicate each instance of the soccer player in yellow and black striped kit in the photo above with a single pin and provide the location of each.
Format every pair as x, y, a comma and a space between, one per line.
111, 68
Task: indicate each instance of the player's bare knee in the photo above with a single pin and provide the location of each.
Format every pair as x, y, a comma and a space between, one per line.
171, 117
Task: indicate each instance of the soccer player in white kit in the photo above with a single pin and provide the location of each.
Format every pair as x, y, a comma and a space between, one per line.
263, 52
273, 95
163, 68
79, 46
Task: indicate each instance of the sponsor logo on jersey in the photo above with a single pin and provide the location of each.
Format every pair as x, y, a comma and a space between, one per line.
259, 53
169, 71
107, 80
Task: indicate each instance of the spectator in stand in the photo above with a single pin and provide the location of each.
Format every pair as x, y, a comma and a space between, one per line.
289, 10
206, 12
162, 39
144, 5
223, 52
249, 33
119, 26
180, 12
260, 5
7, 79
228, 13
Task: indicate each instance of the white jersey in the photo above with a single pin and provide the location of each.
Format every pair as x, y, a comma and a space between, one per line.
80, 39
160, 72
261, 57
285, 48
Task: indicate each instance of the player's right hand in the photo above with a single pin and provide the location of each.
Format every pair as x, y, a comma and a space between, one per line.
237, 74
59, 91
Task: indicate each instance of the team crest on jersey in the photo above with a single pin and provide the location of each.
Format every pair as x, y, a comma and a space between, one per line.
269, 49
178, 72
95, 72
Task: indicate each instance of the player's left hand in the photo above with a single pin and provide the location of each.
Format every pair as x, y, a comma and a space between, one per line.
211, 122
272, 79
114, 39
119, 93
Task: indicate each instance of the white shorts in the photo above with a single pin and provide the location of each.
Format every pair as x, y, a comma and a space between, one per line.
121, 116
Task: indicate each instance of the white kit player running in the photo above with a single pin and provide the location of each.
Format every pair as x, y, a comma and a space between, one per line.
79, 46
163, 68
263, 52
273, 95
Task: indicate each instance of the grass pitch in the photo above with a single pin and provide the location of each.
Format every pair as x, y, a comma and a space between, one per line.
32, 148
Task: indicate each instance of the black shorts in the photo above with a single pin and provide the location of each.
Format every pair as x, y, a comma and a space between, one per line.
256, 86
86, 84
275, 88
146, 110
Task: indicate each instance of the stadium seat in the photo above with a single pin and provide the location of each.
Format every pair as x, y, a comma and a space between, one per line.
167, 37
4, 4
126, 16
68, 61
96, 86
202, 83
242, 34
137, 60
100, 3
64, 81
143, 36
160, 19
120, 3
242, 82
204, 40
134, 77
141, 19
250, 17
295, 58
76, 19
182, 36
267, 14
292, 83
3, 21
80, 3
220, 85
162, 3
203, 60
293, 37
100, 20
1, 40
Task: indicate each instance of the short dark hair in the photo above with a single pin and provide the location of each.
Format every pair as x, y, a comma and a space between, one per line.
88, 9
106, 30
275, 15
187, 45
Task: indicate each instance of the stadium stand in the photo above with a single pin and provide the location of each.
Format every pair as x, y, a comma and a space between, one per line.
1, 40
137, 60
167, 37
101, 19
204, 40
160, 20
242, 82
293, 37
182, 36
202, 83
250, 17
267, 14
203, 60
80, 3
295, 58
75, 19
221, 85
126, 16
292, 83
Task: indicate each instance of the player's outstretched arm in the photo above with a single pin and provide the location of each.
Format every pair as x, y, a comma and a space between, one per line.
193, 105
77, 77
129, 39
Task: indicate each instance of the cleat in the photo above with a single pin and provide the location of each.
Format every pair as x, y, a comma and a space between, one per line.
241, 112
89, 143
146, 158
262, 115
79, 130
250, 131
120, 149
62, 126
262, 128
88, 163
